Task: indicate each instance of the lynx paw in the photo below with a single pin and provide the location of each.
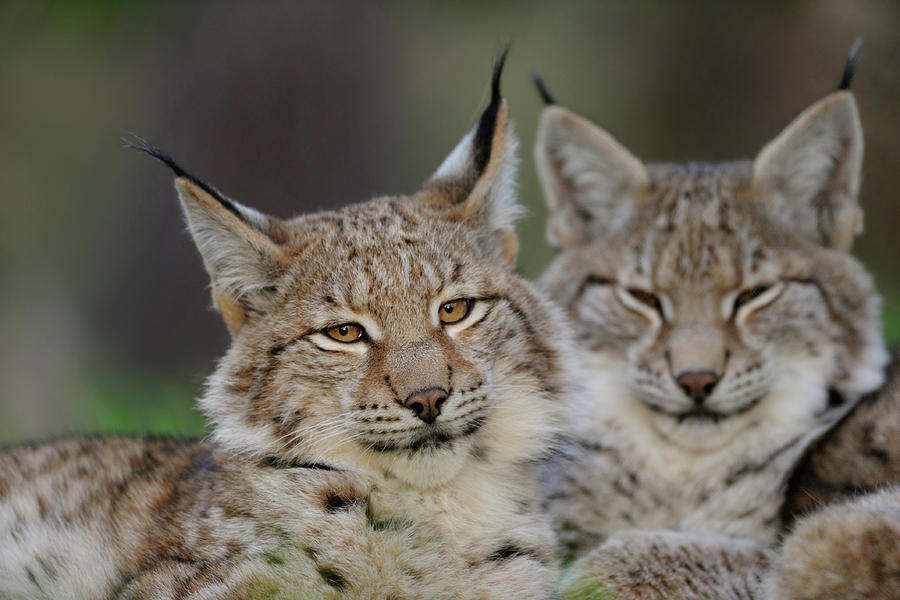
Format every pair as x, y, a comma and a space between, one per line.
845, 551
658, 565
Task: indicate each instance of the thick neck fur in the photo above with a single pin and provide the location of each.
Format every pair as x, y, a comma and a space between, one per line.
734, 487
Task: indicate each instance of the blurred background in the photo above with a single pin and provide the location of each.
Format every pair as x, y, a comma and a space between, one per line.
105, 319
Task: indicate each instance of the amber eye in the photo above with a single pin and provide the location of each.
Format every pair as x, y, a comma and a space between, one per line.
455, 310
648, 298
747, 295
346, 333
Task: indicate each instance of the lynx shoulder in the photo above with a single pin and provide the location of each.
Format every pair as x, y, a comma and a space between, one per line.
723, 322
390, 385
859, 455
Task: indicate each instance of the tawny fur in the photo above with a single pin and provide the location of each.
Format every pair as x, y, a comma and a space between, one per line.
661, 565
859, 455
844, 551
738, 273
318, 480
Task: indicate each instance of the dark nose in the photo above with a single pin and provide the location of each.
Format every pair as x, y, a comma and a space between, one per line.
698, 384
426, 403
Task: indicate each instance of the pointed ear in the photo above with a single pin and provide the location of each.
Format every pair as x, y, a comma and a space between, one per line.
242, 261
241, 258
590, 181
476, 182
809, 175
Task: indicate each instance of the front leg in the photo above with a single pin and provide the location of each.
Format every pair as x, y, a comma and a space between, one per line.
659, 565
516, 571
517, 560
847, 550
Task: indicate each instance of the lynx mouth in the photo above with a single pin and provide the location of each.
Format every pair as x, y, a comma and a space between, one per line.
434, 437
701, 413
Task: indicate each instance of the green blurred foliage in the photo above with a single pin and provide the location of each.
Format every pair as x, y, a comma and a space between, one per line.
133, 405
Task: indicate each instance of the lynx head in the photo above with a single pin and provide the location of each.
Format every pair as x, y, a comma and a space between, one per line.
724, 294
392, 334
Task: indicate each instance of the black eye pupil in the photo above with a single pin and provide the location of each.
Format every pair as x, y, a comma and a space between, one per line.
344, 330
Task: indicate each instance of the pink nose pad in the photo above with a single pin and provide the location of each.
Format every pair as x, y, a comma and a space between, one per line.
698, 385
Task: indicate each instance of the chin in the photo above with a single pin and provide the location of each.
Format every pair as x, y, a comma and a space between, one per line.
428, 465
701, 431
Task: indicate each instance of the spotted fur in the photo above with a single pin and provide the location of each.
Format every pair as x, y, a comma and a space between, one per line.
846, 550
723, 323
657, 565
319, 480
859, 455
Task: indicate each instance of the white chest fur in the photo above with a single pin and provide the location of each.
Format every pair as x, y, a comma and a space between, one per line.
634, 468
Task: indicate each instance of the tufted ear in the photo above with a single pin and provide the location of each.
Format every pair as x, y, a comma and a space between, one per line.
809, 175
476, 182
241, 258
590, 180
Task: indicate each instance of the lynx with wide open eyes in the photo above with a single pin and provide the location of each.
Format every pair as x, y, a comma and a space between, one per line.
346, 333
455, 310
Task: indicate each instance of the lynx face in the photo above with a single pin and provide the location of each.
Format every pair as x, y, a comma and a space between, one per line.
392, 335
391, 341
724, 294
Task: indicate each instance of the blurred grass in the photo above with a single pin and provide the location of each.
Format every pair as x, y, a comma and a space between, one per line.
134, 405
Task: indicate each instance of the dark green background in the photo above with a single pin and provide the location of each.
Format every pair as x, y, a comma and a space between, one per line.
295, 106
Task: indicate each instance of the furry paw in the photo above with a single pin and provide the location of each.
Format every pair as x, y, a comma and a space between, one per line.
844, 551
659, 565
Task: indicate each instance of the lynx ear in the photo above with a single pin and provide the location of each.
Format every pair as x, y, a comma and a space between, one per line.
590, 181
476, 182
243, 262
809, 175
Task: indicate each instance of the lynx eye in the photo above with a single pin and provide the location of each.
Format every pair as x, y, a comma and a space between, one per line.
346, 333
648, 298
455, 310
748, 295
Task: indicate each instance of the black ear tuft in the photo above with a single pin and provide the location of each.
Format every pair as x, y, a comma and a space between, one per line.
484, 134
542, 88
141, 145
850, 65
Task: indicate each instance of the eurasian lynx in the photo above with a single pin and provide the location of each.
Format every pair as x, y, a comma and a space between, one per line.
724, 324
390, 386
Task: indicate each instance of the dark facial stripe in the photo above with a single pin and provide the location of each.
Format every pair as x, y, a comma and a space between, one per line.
592, 280
510, 551
756, 467
276, 462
